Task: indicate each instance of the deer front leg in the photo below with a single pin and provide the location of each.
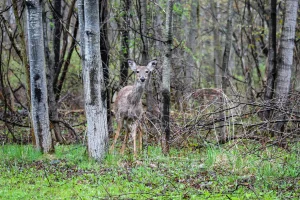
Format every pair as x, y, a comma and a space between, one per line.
140, 138
133, 135
120, 125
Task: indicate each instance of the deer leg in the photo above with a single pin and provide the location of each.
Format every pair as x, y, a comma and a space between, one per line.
140, 138
133, 135
125, 139
120, 125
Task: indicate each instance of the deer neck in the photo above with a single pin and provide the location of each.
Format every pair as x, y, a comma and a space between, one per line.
135, 96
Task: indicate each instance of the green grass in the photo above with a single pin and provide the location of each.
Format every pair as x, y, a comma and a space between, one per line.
240, 172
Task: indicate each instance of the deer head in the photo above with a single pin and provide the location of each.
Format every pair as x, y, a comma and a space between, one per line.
142, 72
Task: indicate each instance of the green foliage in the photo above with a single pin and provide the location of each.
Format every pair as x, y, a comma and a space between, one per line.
242, 172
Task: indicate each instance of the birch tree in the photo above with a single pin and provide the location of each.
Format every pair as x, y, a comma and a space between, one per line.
94, 85
286, 55
39, 105
166, 80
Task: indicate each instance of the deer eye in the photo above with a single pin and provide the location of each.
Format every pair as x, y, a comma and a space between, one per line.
137, 72
147, 72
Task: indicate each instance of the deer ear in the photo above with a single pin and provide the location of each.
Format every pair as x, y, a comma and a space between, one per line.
132, 65
152, 64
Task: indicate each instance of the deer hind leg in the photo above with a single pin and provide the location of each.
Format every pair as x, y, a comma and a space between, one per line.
120, 125
125, 139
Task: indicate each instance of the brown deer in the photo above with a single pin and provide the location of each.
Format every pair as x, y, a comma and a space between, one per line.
128, 105
209, 94
202, 96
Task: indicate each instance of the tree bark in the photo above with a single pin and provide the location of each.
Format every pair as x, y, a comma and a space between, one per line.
190, 37
104, 48
165, 140
271, 63
25, 63
80, 6
143, 30
95, 94
286, 55
217, 45
39, 105
125, 42
52, 60
225, 64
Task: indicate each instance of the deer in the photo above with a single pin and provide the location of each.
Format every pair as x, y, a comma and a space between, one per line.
128, 105
208, 95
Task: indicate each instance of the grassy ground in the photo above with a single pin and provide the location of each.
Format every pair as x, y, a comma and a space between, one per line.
230, 172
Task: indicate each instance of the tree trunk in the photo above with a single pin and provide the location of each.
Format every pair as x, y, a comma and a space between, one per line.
271, 69
80, 6
56, 13
217, 45
191, 34
25, 63
52, 60
145, 58
166, 80
39, 103
95, 94
228, 43
125, 42
225, 64
104, 48
285, 62
143, 27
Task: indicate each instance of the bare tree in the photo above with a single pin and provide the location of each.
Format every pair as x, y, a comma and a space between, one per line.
165, 140
286, 56
95, 92
39, 104
225, 63
217, 44
52, 62
25, 61
125, 42
272, 55
143, 30
142, 12
104, 48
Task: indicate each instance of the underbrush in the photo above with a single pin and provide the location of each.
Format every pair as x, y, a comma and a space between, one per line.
233, 171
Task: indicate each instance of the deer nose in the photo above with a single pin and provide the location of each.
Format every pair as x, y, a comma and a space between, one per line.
142, 79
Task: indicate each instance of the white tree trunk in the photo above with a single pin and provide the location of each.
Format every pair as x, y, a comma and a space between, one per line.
286, 55
166, 79
95, 94
39, 105
80, 6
